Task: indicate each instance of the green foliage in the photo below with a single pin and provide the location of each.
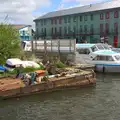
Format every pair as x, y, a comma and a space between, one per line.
29, 69
9, 42
59, 64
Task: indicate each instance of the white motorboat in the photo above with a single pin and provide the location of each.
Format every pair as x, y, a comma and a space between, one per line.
99, 55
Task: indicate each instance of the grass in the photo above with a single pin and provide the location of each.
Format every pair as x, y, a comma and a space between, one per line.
59, 64
24, 70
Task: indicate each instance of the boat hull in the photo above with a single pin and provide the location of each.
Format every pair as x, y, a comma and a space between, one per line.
108, 68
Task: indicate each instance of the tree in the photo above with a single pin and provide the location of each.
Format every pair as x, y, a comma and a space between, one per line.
9, 43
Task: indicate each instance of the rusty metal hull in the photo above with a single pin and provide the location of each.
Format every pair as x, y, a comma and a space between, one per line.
78, 80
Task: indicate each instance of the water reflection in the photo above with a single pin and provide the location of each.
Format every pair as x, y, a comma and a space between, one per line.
100, 103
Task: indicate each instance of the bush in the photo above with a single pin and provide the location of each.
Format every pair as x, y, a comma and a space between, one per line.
59, 64
31, 69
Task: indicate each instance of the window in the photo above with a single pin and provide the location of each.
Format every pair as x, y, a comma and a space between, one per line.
116, 28
60, 30
107, 28
81, 29
74, 19
91, 16
55, 31
45, 31
85, 28
80, 18
41, 22
101, 16
107, 15
60, 20
69, 29
94, 49
65, 30
74, 29
55, 19
117, 57
101, 29
83, 51
103, 58
51, 31
52, 21
65, 20
69, 19
116, 14
91, 29
109, 58
45, 22
42, 30
85, 17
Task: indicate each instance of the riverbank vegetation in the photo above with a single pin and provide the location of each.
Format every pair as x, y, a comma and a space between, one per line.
9, 43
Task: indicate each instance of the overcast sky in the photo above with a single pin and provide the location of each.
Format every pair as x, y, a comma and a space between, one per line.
24, 11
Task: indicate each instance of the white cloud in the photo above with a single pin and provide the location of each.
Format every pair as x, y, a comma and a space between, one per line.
20, 11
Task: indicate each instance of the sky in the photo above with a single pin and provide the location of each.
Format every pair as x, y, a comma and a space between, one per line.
25, 11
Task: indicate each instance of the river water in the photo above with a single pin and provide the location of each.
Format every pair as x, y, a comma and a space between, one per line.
93, 103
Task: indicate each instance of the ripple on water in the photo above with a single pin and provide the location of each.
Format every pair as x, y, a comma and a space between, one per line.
99, 103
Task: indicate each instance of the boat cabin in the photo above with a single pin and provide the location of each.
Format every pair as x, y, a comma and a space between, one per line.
90, 48
107, 56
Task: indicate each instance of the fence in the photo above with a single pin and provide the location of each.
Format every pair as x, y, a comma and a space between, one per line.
57, 45
63, 48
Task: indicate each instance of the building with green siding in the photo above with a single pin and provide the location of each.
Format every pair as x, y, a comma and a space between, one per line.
93, 23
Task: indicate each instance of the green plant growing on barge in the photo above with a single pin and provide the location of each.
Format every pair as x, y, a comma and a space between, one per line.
59, 64
9, 42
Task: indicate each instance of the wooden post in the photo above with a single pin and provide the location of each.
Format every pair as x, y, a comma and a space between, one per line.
59, 48
70, 45
74, 45
51, 45
32, 46
45, 51
35, 44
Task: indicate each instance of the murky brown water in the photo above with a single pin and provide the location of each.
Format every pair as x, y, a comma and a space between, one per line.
94, 103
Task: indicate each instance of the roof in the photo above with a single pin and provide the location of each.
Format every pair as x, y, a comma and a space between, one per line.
106, 52
84, 9
18, 26
84, 45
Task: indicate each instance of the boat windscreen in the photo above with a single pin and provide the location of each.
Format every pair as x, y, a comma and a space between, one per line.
94, 48
100, 47
117, 57
106, 47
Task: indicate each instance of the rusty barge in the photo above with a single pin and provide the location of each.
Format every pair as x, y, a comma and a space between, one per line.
11, 87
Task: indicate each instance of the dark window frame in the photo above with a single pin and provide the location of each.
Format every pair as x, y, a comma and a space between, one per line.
107, 15
116, 14
91, 17
101, 16
85, 17
81, 18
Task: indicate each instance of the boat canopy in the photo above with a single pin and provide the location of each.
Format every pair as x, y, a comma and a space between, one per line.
13, 62
30, 64
84, 45
106, 52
